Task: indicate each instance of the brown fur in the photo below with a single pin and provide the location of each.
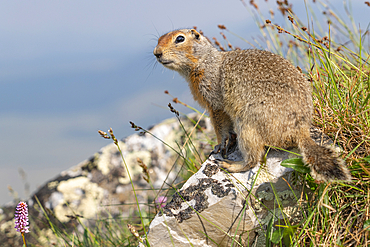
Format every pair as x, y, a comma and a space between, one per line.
258, 95
196, 77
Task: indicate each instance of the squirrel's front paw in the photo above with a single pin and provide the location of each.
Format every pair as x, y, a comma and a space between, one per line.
220, 148
217, 149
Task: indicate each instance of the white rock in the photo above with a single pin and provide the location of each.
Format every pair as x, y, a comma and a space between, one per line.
215, 208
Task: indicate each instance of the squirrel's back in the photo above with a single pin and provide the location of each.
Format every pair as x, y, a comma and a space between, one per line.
269, 85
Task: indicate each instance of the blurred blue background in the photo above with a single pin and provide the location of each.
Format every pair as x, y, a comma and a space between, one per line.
69, 68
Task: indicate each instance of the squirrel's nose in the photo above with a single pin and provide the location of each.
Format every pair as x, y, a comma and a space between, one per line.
157, 52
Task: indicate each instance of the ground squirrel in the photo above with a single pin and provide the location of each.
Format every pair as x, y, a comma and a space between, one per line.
256, 94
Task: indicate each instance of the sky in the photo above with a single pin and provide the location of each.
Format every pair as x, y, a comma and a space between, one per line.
70, 68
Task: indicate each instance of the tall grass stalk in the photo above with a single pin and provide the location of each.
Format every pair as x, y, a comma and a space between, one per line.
132, 183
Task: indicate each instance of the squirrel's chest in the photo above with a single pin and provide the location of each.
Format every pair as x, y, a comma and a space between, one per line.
205, 89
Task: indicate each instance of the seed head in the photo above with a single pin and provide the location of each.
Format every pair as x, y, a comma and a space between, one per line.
223, 35
134, 126
21, 218
173, 109
112, 135
133, 230
253, 4
103, 134
146, 176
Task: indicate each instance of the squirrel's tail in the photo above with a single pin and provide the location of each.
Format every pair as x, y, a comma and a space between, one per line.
323, 160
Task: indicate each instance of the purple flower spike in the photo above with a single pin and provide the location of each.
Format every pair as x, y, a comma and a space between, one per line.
21, 218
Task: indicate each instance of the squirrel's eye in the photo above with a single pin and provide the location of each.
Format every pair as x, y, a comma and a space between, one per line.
179, 39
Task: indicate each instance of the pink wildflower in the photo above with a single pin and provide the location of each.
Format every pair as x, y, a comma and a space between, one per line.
161, 201
21, 218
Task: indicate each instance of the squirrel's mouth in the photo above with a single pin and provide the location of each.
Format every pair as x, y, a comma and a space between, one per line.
164, 62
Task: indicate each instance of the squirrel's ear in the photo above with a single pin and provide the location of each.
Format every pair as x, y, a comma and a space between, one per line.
195, 34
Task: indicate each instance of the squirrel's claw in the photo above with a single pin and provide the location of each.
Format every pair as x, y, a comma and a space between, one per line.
220, 148
226, 146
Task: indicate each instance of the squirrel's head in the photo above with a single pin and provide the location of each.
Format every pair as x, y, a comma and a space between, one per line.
181, 50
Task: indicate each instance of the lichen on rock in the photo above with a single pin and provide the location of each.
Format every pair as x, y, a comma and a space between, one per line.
216, 205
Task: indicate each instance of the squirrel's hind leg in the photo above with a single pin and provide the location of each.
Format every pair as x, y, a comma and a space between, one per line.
234, 166
251, 146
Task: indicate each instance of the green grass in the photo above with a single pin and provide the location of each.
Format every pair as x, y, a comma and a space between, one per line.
334, 55
338, 213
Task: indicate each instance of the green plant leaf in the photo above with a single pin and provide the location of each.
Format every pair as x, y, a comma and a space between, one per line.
296, 164
277, 236
288, 235
269, 232
367, 159
367, 225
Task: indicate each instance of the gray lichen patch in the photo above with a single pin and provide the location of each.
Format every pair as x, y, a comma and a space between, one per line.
211, 170
180, 207
219, 191
275, 193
